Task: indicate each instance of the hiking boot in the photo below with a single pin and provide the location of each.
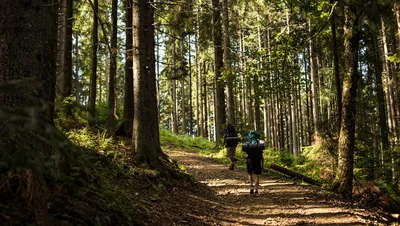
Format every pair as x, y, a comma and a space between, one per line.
251, 190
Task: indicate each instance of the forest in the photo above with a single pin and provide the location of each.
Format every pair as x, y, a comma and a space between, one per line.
98, 96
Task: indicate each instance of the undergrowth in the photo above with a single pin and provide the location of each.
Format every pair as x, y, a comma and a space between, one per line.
185, 141
106, 177
100, 184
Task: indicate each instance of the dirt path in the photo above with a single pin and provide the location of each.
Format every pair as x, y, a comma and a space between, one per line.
278, 202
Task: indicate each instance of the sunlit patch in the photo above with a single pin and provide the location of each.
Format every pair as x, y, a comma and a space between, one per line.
277, 203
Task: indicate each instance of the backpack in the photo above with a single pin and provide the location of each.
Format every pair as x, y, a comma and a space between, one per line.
253, 148
253, 137
231, 139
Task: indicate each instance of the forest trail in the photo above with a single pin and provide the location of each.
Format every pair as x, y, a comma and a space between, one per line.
278, 202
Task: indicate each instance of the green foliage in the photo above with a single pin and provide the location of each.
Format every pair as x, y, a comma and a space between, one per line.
101, 169
101, 113
64, 109
81, 137
394, 58
184, 141
278, 157
312, 162
104, 176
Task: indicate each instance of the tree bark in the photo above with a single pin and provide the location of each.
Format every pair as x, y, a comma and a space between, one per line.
76, 74
199, 103
28, 51
227, 66
93, 76
336, 69
205, 106
111, 116
314, 89
199, 80
190, 90
65, 50
295, 133
173, 90
183, 110
308, 101
293, 174
146, 138
397, 97
397, 12
125, 128
389, 98
174, 108
380, 96
220, 118
343, 182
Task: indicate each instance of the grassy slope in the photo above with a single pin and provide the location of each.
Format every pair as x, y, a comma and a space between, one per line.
107, 187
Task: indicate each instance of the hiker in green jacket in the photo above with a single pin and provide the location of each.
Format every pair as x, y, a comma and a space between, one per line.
254, 159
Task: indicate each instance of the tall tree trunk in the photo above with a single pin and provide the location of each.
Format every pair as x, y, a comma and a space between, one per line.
343, 182
281, 124
183, 107
336, 69
93, 76
65, 52
199, 99
77, 82
274, 122
243, 77
257, 103
190, 90
28, 45
199, 80
275, 111
295, 134
397, 96
257, 88
206, 104
289, 122
111, 116
125, 128
174, 98
249, 97
380, 96
146, 137
267, 121
397, 11
213, 120
183, 110
158, 72
314, 88
174, 108
300, 115
389, 99
227, 65
220, 118
105, 80
308, 100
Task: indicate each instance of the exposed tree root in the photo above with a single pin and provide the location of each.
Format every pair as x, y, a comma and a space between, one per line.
24, 190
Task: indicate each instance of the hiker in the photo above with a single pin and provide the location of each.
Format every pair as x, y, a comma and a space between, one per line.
254, 159
231, 140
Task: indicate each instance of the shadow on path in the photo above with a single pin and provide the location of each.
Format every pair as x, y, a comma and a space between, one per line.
278, 202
